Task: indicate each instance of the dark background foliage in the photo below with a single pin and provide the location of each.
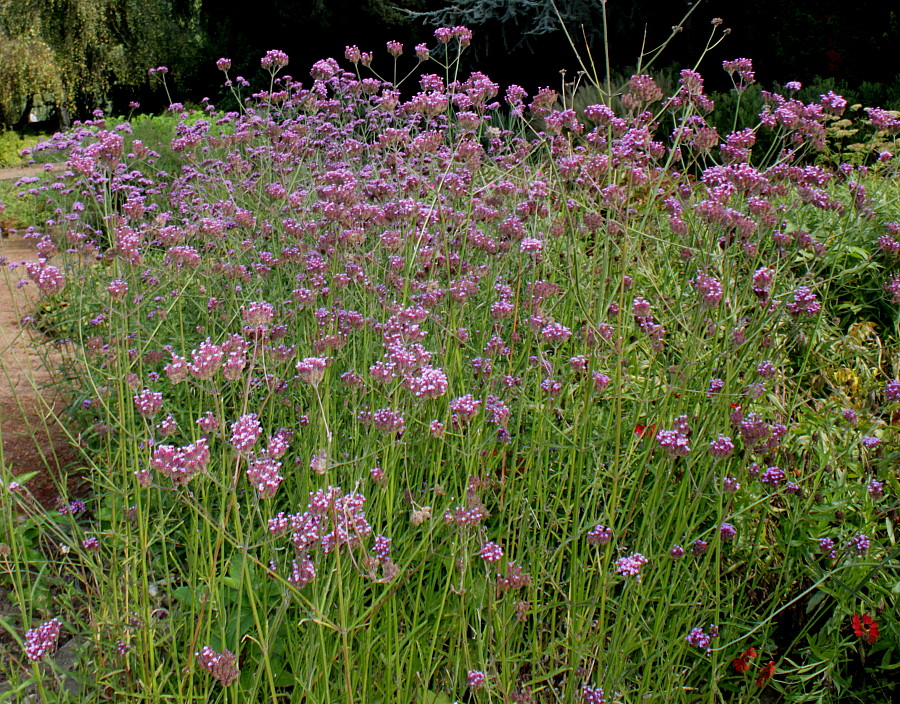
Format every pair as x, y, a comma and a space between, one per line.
519, 41
515, 41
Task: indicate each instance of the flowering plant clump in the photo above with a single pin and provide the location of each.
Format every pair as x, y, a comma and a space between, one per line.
357, 376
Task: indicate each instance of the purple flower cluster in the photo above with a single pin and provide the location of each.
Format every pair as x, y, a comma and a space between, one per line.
73, 508
245, 431
772, 476
892, 288
274, 59
708, 289
555, 333
41, 641
148, 402
744, 69
599, 535
222, 666
849, 415
464, 409
601, 381
50, 279
755, 432
827, 546
263, 474
303, 571
178, 464
859, 544
491, 552
427, 382
311, 370
206, 360
699, 638
388, 421
461, 34
382, 548
515, 578
875, 489
475, 679
630, 565
332, 519
766, 369
592, 695
730, 485
804, 303
721, 447
675, 442
762, 283
463, 517
892, 391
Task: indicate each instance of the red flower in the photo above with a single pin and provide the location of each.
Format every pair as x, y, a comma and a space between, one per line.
742, 662
645, 431
865, 627
765, 674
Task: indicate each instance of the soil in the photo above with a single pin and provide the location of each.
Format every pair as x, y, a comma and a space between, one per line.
30, 409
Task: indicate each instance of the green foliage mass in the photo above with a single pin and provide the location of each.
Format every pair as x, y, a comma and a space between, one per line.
73, 52
27, 66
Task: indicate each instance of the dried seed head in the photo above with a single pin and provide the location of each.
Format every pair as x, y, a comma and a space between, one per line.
418, 516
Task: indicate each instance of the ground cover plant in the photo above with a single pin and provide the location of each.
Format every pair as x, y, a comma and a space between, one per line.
468, 396
11, 145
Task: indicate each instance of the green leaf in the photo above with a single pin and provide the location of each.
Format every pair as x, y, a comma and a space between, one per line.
234, 578
285, 678
27, 477
186, 596
430, 697
815, 600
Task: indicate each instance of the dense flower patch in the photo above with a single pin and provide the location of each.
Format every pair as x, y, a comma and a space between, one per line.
468, 394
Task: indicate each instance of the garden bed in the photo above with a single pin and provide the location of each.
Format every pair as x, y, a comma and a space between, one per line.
429, 400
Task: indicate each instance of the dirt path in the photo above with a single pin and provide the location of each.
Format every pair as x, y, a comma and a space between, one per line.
14, 173
32, 438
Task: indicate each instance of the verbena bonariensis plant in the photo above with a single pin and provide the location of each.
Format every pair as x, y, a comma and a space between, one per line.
400, 400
